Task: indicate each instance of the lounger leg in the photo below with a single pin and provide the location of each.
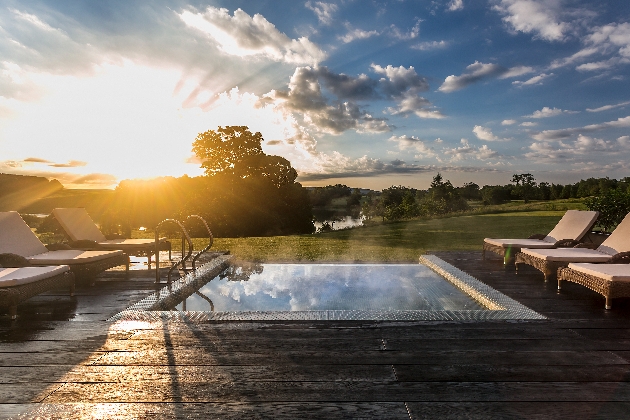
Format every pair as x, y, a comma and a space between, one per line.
608, 303
559, 285
127, 268
13, 311
149, 261
483, 254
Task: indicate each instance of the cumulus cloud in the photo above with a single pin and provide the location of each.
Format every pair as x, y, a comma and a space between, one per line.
547, 112
608, 107
528, 124
539, 17
69, 164
484, 133
455, 5
578, 56
536, 80
508, 122
415, 144
568, 132
467, 151
554, 151
244, 35
614, 35
307, 95
323, 11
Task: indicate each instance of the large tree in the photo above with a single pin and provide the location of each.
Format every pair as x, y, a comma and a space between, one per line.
234, 150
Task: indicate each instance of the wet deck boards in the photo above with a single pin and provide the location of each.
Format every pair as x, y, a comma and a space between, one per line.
575, 364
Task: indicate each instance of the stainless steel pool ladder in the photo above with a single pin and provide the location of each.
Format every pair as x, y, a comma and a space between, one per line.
185, 238
193, 217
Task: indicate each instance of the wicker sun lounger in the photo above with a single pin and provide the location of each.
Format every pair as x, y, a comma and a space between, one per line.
568, 232
20, 247
84, 234
609, 280
20, 284
613, 249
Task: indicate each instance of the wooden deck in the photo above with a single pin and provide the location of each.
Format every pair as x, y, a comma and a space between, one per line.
61, 359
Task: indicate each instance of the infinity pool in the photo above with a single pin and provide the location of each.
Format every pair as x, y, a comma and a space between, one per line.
319, 287
224, 291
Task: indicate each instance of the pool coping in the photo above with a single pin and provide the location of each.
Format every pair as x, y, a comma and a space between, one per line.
155, 307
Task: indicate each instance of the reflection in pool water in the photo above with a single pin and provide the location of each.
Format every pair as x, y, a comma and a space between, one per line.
316, 287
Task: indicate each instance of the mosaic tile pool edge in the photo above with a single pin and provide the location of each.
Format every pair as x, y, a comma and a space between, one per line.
500, 306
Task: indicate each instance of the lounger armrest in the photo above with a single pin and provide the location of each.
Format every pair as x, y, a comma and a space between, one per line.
621, 258
114, 236
586, 245
537, 236
85, 244
566, 243
13, 260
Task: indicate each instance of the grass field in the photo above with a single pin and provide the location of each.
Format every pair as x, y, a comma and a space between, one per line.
392, 242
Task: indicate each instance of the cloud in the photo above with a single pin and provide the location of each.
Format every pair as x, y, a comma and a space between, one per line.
508, 122
608, 107
578, 56
536, 80
575, 151
547, 112
36, 160
539, 17
475, 73
599, 65
413, 33
306, 97
615, 36
244, 35
528, 124
430, 45
516, 71
568, 132
323, 11
485, 134
354, 34
455, 5
466, 151
414, 143
69, 164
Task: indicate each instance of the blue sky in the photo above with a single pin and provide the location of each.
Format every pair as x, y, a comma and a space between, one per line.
366, 93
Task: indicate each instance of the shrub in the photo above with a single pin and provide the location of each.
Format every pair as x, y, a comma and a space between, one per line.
613, 206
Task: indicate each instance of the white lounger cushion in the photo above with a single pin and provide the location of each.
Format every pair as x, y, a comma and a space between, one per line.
619, 240
573, 225
17, 238
568, 254
10, 277
70, 256
610, 272
520, 243
78, 224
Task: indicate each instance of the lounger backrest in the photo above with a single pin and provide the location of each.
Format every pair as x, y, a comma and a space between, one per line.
16, 237
573, 225
78, 224
619, 240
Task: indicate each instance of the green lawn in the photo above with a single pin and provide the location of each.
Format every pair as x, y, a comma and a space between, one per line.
400, 241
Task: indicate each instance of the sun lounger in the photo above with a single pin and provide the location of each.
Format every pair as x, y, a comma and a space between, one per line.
20, 284
21, 247
568, 232
609, 280
613, 249
84, 233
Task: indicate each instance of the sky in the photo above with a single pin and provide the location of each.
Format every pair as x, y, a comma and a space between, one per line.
367, 93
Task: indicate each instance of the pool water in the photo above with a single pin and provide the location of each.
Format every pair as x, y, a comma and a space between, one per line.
320, 287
